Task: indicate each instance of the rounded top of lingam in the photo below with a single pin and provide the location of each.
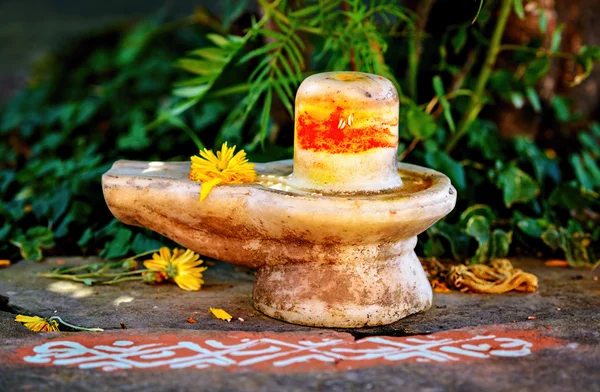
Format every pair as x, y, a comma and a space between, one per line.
346, 133
360, 87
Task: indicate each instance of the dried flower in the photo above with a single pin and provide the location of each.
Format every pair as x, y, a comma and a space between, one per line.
221, 314
180, 266
37, 324
222, 168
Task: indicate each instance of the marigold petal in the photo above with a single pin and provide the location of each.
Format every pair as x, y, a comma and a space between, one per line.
165, 253
155, 265
27, 319
207, 187
187, 259
188, 282
221, 314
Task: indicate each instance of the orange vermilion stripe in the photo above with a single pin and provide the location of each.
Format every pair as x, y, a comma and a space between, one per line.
326, 136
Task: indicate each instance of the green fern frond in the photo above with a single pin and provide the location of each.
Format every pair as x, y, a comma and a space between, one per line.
351, 40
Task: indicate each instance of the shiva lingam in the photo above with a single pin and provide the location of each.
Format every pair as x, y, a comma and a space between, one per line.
332, 233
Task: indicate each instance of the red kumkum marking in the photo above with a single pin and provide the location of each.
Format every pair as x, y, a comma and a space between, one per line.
328, 137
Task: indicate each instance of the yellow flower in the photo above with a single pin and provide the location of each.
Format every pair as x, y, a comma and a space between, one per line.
38, 324
223, 168
220, 314
179, 266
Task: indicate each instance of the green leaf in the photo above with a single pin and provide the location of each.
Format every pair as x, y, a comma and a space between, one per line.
582, 175
118, 246
232, 9
136, 139
458, 240
211, 53
200, 67
259, 52
439, 160
517, 99
542, 165
459, 39
218, 40
518, 8
476, 210
85, 238
438, 86
569, 196
6, 178
543, 22
420, 124
52, 206
537, 69
533, 227
589, 142
192, 91
556, 38
500, 244
551, 237
561, 108
592, 168
433, 247
534, 99
33, 241
4, 232
517, 186
265, 115
142, 243
572, 241
486, 139
478, 227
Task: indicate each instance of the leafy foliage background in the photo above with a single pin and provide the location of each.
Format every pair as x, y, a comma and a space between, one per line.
160, 90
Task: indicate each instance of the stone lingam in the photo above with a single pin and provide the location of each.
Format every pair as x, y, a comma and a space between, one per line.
332, 233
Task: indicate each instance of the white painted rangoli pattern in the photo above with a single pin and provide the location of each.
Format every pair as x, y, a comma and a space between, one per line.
271, 353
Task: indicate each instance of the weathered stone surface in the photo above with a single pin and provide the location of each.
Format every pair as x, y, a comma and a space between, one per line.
166, 306
567, 308
137, 305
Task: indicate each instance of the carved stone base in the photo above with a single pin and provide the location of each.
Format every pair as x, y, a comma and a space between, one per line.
344, 295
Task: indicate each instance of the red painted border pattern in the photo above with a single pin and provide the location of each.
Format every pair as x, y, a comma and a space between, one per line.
274, 352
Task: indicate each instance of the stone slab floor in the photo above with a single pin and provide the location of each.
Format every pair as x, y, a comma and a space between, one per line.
547, 341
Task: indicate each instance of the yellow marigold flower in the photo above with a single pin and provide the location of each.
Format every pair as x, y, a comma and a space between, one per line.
180, 266
37, 324
223, 168
220, 314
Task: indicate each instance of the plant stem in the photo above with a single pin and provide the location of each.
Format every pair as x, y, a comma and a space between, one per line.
409, 149
113, 281
78, 268
75, 326
74, 278
136, 272
538, 52
142, 254
476, 102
